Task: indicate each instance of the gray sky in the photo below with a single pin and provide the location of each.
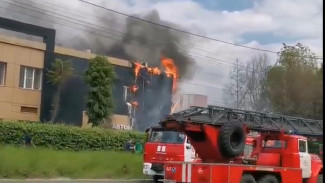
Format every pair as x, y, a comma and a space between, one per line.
264, 24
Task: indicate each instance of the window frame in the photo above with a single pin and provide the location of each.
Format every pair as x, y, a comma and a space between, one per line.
306, 146
3, 82
34, 70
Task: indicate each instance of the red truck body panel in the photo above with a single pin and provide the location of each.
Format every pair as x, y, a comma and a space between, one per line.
224, 173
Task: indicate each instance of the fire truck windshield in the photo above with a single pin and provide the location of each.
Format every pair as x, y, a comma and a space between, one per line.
167, 137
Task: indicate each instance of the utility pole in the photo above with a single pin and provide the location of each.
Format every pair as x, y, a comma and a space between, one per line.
237, 88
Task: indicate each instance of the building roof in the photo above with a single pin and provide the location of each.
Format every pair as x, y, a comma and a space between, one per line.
60, 50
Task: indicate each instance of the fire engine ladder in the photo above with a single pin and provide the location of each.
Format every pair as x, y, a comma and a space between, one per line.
256, 121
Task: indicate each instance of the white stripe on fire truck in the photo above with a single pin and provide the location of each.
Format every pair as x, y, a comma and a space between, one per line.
189, 173
183, 172
163, 148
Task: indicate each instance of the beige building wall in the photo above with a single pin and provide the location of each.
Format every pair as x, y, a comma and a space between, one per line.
15, 102
120, 122
185, 101
24, 104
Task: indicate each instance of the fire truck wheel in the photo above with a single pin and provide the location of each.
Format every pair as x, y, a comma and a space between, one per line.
232, 139
268, 179
157, 178
247, 178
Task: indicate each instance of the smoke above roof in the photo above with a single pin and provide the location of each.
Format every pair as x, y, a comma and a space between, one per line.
108, 34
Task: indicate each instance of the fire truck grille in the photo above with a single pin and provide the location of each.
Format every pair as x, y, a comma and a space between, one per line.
157, 167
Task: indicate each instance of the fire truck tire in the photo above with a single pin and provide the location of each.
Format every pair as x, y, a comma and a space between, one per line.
268, 179
247, 178
231, 139
157, 178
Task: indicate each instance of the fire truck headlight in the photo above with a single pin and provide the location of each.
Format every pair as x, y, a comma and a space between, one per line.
145, 166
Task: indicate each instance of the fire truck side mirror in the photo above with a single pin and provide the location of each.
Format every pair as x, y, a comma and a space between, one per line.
148, 133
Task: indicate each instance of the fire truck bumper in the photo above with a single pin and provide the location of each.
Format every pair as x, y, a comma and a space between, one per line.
148, 170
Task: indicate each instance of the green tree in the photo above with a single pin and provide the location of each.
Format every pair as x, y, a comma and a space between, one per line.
294, 84
100, 77
59, 72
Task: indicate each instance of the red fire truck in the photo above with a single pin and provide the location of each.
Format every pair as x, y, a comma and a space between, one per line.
169, 145
279, 153
162, 146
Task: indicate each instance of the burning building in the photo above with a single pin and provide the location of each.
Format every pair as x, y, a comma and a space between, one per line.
141, 92
152, 92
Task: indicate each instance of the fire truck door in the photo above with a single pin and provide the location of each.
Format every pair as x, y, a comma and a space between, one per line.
305, 159
189, 151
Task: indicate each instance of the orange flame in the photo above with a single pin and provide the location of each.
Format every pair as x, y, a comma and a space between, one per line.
154, 71
170, 70
135, 103
137, 67
134, 88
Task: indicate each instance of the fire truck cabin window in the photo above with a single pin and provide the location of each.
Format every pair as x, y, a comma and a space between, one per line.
274, 144
302, 146
167, 137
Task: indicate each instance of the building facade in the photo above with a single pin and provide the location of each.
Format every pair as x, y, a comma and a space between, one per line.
185, 101
21, 75
26, 95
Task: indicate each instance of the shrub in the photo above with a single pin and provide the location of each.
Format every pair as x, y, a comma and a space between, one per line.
66, 137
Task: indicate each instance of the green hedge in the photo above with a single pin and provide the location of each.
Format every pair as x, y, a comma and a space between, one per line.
66, 137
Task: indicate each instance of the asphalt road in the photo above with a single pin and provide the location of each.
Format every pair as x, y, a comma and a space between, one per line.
73, 181
320, 180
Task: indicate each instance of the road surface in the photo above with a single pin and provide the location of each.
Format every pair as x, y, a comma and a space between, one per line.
73, 181
320, 180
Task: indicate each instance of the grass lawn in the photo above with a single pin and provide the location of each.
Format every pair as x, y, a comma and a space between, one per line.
46, 163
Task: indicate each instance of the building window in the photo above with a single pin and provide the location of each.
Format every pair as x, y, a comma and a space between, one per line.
28, 109
30, 78
3, 67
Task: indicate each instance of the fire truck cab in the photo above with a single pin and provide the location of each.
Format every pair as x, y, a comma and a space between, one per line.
163, 146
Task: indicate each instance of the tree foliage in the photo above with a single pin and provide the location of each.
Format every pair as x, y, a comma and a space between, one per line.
256, 71
100, 77
295, 84
59, 72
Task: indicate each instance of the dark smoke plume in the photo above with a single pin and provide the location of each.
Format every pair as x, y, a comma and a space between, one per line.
146, 42
115, 36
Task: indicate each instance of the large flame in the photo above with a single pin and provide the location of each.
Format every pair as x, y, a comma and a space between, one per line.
170, 70
134, 103
134, 88
154, 71
137, 68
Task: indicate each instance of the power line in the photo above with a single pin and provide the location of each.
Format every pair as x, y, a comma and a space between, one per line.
179, 30
103, 30
93, 17
195, 84
122, 33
